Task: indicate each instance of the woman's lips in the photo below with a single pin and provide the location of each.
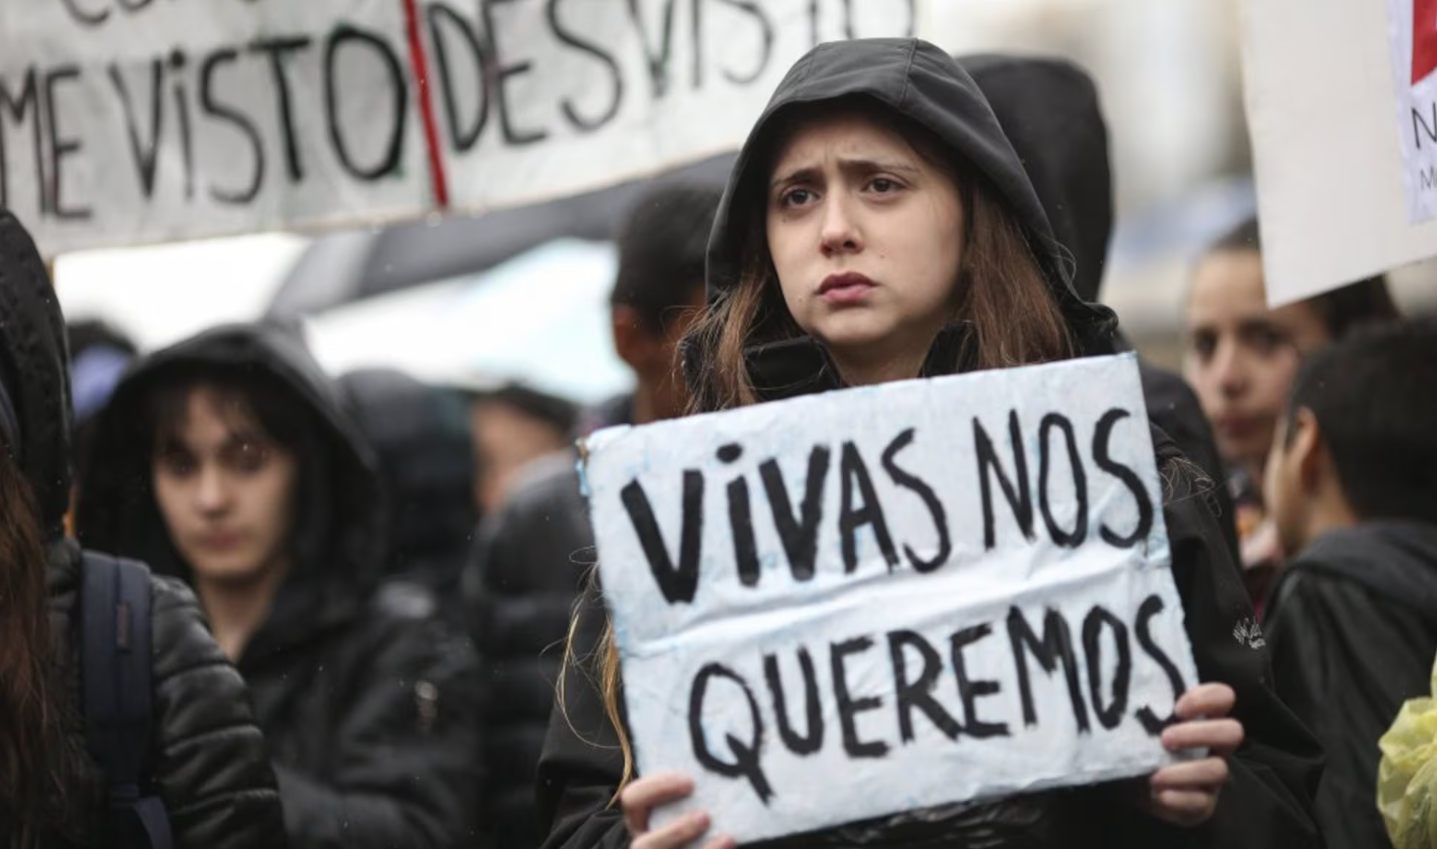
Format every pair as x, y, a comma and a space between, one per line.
1237, 427
847, 288
220, 542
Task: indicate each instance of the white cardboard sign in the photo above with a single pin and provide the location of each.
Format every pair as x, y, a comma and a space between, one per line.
1342, 109
868, 601
135, 121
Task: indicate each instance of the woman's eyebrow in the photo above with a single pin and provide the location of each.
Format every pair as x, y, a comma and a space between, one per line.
855, 165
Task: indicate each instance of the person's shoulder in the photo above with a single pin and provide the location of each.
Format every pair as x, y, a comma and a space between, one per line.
549, 479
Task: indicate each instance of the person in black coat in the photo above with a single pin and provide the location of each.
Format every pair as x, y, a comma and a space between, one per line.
207, 758
227, 460
1352, 488
420, 436
531, 556
908, 106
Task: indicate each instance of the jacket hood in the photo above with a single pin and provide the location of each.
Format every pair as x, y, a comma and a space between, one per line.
420, 436
340, 538
1049, 110
1397, 559
922, 83
34, 373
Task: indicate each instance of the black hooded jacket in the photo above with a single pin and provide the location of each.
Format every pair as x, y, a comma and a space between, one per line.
1050, 112
1352, 626
207, 758
420, 435
367, 703
1268, 801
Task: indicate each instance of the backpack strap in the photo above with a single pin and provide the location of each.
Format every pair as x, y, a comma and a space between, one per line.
115, 666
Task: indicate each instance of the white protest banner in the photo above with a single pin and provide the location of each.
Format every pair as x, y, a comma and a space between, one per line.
864, 602
133, 121
1342, 110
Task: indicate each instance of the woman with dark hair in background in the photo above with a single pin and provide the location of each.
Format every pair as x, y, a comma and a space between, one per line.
1241, 358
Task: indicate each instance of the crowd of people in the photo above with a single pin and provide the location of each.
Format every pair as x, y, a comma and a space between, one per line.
368, 615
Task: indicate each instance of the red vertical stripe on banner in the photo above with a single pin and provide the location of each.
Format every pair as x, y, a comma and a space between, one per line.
420, 64
1424, 39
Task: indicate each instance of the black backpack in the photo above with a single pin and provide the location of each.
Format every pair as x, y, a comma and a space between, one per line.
115, 669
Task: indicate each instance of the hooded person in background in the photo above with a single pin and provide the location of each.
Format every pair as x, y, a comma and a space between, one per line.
207, 759
512, 427
882, 157
1037, 101
426, 467
227, 460
1352, 488
531, 556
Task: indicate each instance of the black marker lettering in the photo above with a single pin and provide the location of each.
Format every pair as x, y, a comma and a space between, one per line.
513, 136
969, 691
745, 755
658, 61
740, 522
1055, 648
182, 111
930, 500
236, 119
854, 472
146, 155
753, 10
84, 16
60, 147
917, 692
1151, 607
677, 584
462, 137
1020, 499
1111, 714
849, 707
277, 50
394, 150
1104, 459
26, 103
811, 741
799, 535
572, 39
1062, 538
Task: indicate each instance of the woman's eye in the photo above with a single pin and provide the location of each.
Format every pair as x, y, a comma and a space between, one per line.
1268, 341
795, 197
883, 185
1203, 345
250, 458
178, 466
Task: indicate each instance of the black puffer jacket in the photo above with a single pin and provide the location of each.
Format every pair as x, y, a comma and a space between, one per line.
1353, 626
207, 759
420, 436
367, 701
1268, 801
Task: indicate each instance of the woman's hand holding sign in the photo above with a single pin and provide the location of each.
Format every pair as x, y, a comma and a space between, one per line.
641, 797
1186, 793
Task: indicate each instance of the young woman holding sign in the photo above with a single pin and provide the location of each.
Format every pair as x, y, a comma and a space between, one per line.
878, 226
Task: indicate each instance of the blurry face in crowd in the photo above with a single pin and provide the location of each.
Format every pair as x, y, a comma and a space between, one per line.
226, 490
866, 236
1241, 356
652, 352
505, 440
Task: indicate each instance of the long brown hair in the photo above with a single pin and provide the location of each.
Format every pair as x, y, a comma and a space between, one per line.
1002, 293
28, 710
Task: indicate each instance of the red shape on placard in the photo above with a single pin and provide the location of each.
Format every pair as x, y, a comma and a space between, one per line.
1424, 39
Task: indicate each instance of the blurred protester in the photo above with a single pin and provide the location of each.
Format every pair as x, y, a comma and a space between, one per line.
531, 555
1352, 485
426, 469
882, 157
1241, 357
511, 427
99, 355
202, 754
228, 461
1037, 100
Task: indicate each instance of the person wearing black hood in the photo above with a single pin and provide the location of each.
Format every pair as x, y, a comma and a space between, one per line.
420, 434
881, 157
207, 759
1352, 487
227, 460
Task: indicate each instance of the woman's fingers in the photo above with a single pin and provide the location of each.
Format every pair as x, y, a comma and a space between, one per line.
679, 833
1221, 736
1207, 701
1184, 807
644, 794
1207, 773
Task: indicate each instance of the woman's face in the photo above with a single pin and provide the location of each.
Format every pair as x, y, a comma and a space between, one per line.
225, 490
1241, 356
867, 237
